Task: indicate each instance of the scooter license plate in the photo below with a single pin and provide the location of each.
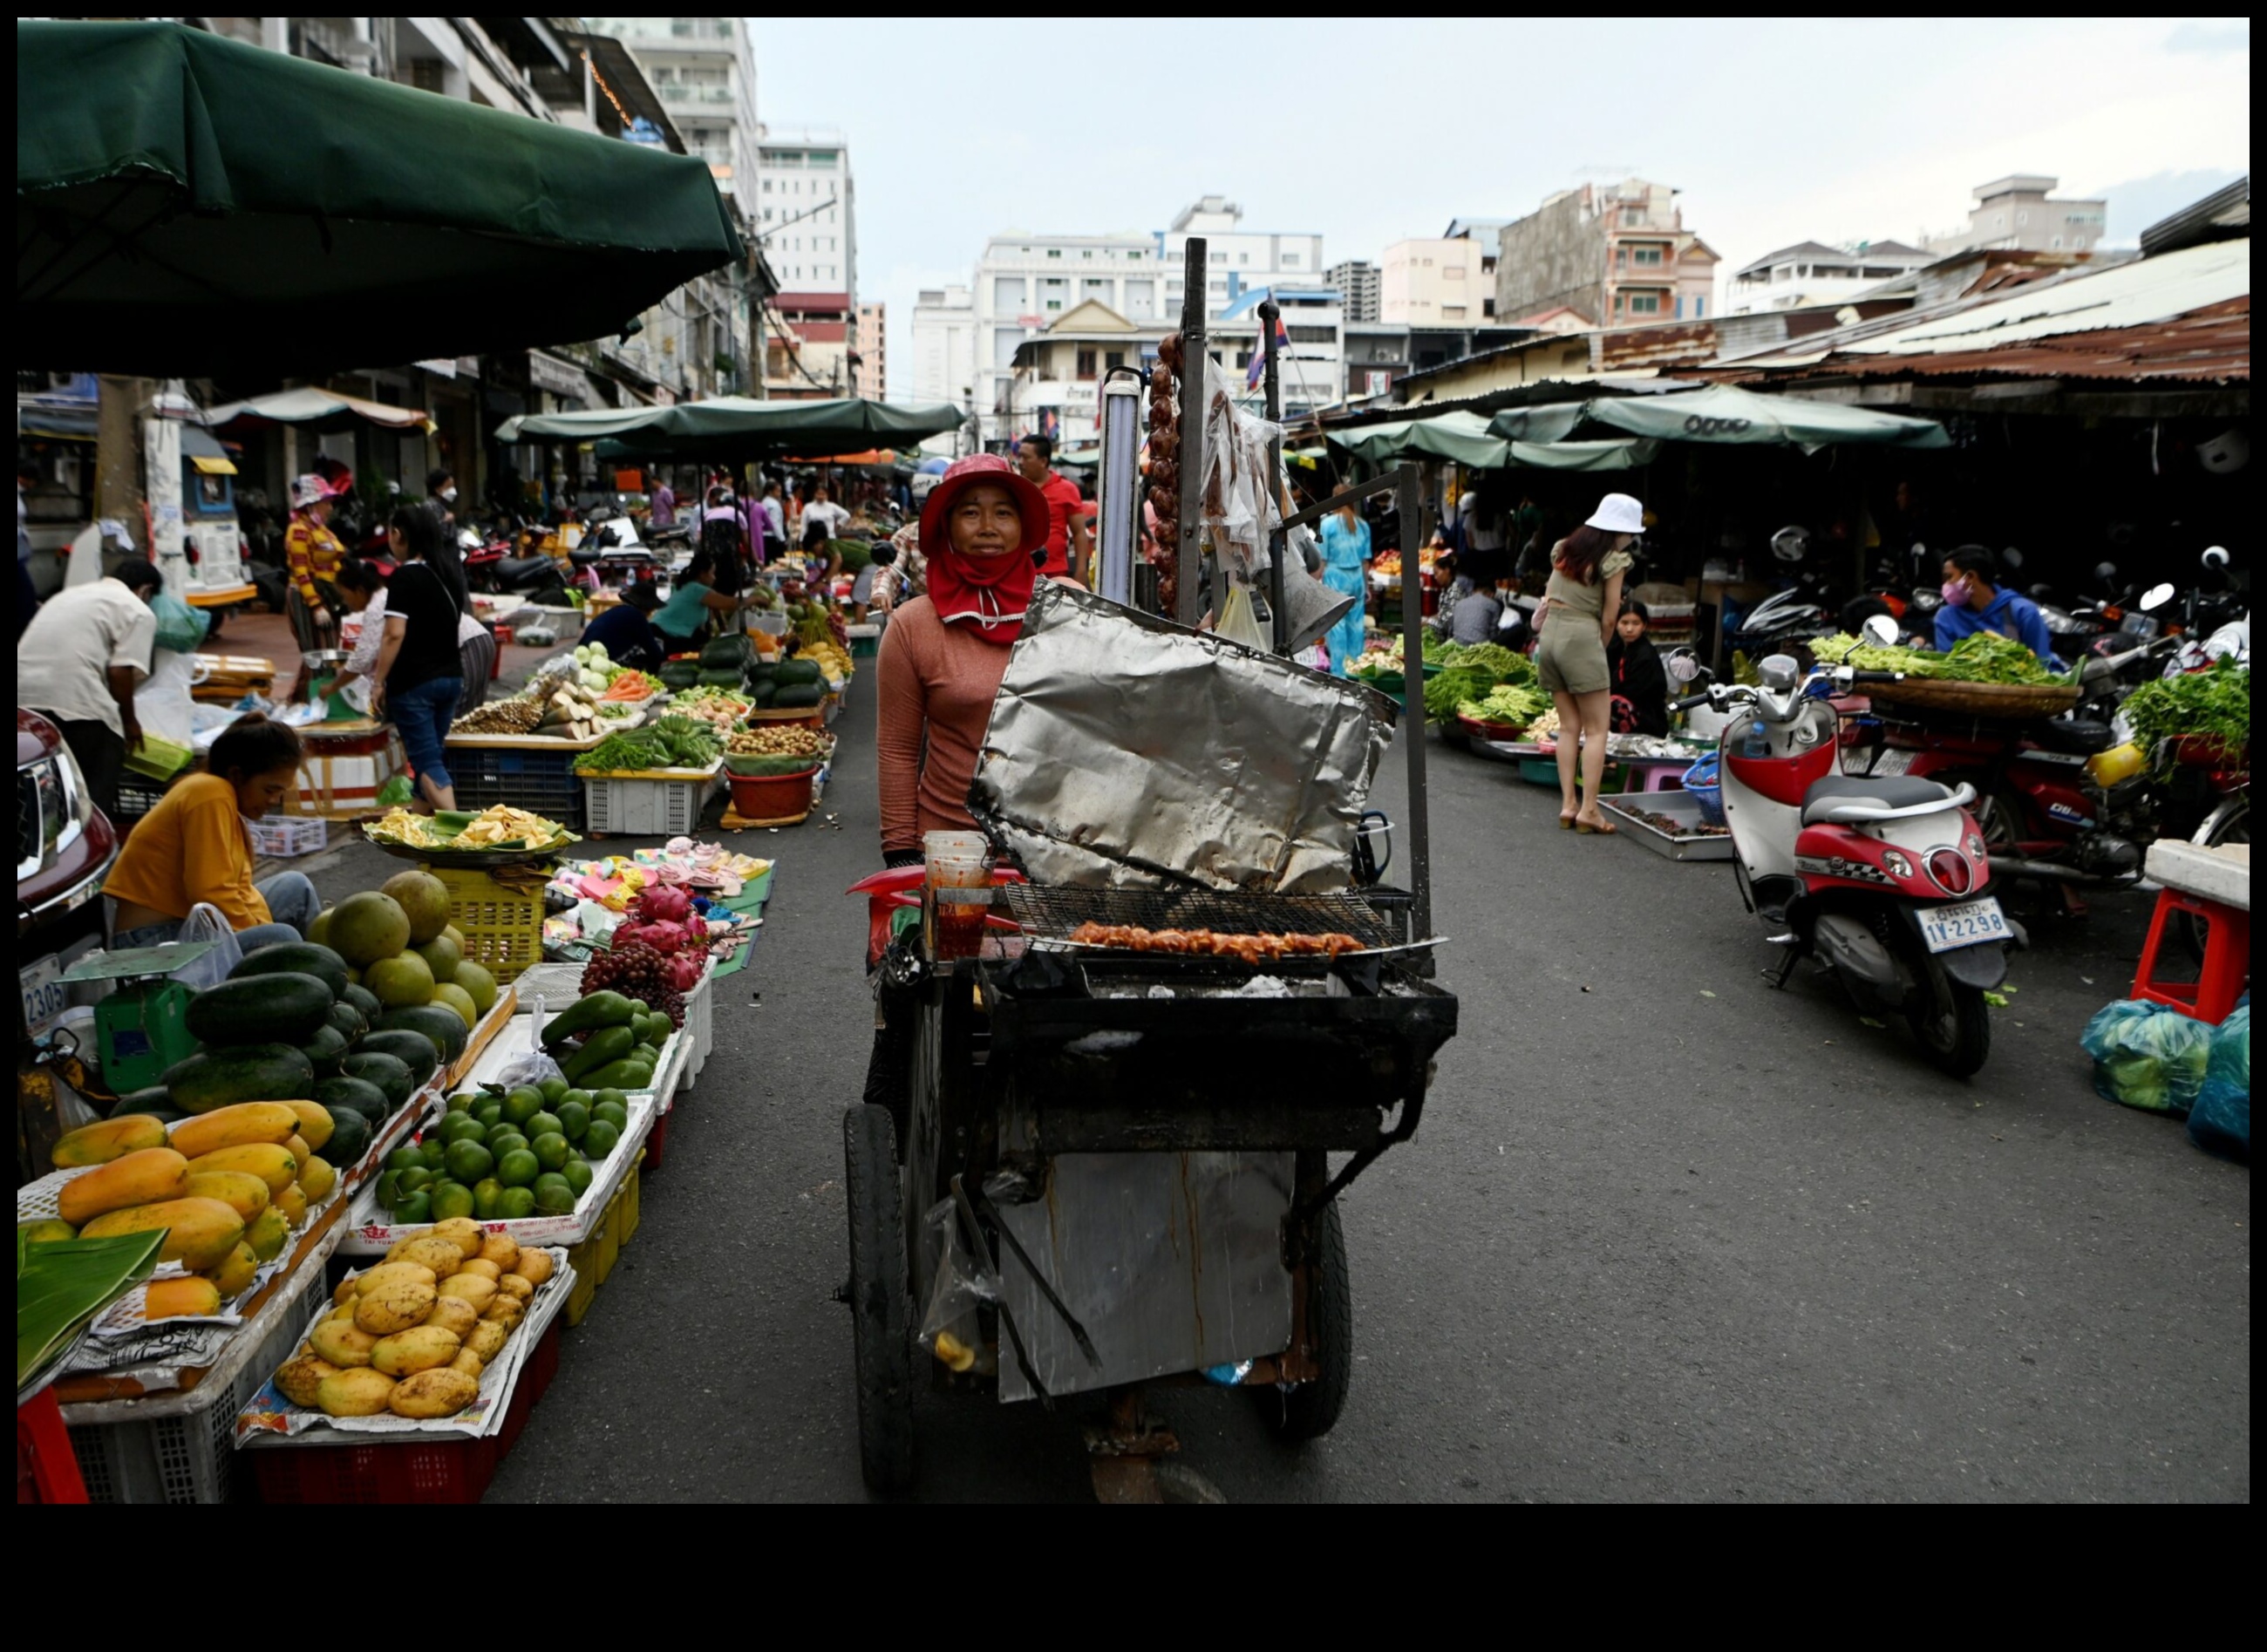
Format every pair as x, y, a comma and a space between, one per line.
1968, 924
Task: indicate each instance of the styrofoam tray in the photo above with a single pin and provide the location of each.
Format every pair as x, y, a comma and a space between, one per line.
1681, 806
370, 1231
269, 1419
524, 1036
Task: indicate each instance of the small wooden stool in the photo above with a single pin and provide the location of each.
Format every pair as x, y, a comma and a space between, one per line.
2214, 885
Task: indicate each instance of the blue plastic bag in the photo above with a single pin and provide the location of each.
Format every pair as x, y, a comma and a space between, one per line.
2147, 1057
180, 627
2220, 1120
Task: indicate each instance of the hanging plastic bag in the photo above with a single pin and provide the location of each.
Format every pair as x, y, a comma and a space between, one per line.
162, 702
180, 627
2147, 1057
395, 793
960, 1284
207, 922
2220, 1120
1239, 621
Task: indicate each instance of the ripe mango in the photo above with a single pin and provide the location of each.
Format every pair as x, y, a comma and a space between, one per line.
462, 1232
301, 1377
469, 1288
105, 1139
393, 1307
200, 1233
354, 1391
406, 1353
386, 1273
145, 1176
452, 1314
172, 1298
487, 1339
341, 1343
429, 1250
439, 1392
534, 1264
469, 1363
234, 1274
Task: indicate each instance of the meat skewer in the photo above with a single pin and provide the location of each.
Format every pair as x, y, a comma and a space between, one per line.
1249, 949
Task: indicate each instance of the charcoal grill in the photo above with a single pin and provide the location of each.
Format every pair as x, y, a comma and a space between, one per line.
1380, 921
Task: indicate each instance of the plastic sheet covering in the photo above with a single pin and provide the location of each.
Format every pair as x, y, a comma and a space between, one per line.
1125, 751
2146, 1055
2220, 1122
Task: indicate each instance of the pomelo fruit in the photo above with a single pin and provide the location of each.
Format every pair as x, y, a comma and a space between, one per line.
367, 928
400, 982
456, 999
424, 898
441, 956
476, 980
319, 930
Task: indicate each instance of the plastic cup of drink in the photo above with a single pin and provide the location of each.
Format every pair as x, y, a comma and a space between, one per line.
959, 878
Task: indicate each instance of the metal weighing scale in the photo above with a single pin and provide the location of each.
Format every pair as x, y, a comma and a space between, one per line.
323, 668
141, 1027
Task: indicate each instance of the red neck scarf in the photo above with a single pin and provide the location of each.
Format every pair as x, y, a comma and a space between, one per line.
988, 595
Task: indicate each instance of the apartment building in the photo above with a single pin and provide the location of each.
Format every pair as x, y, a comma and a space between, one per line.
1026, 282
1239, 261
2021, 213
943, 354
872, 336
1355, 279
1810, 273
703, 69
1448, 282
1610, 253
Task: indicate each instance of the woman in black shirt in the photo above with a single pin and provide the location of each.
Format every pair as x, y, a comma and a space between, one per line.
419, 662
1640, 680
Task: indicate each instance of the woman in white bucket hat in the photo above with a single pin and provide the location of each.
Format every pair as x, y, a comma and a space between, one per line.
1580, 606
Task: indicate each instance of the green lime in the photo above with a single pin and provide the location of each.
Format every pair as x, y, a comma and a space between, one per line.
405, 1158
579, 1175
574, 1119
523, 1105
552, 1150
599, 1140
462, 1101
615, 1097
553, 1088
516, 1202
488, 1200
505, 1140
469, 1161
452, 1199
459, 1126
431, 1151
553, 1196
388, 1181
614, 1113
413, 1209
489, 1112
415, 1179
578, 1098
518, 1167
543, 1123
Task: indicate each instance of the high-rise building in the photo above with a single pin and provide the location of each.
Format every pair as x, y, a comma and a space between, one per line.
704, 72
1613, 253
806, 216
1239, 260
1026, 282
1445, 283
873, 375
1356, 278
945, 352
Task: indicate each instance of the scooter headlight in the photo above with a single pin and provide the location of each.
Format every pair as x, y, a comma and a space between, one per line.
1897, 863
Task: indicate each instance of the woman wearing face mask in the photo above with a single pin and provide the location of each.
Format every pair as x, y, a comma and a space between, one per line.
194, 846
441, 490
944, 653
312, 554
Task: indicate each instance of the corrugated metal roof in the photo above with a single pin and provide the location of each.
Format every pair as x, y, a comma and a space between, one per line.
2210, 345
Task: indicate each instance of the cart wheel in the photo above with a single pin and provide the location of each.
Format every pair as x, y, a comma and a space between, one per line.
878, 1300
1311, 1410
1178, 1482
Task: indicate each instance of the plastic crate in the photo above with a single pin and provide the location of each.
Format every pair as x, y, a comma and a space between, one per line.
47, 1469
541, 782
190, 1458
136, 796
425, 1471
284, 837
633, 1198
662, 804
593, 1259
564, 624
656, 1141
503, 922
701, 1022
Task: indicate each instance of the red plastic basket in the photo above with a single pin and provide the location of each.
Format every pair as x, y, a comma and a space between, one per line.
656, 1139
772, 796
426, 1471
46, 1468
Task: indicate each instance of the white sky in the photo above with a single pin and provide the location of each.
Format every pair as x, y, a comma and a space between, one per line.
1367, 131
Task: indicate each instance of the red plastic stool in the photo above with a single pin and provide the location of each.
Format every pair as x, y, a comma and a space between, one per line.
46, 1468
2227, 958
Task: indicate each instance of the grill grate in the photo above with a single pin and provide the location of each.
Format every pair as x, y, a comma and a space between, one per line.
1052, 913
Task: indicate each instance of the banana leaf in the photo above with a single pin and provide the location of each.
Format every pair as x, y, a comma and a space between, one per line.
62, 1285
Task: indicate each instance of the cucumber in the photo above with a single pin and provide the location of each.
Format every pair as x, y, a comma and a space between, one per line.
250, 1073
415, 1050
279, 1008
300, 957
438, 1021
389, 1075
325, 1045
363, 999
358, 1096
351, 1135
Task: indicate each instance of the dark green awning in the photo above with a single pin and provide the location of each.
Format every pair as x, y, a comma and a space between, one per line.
188, 205
736, 427
1723, 414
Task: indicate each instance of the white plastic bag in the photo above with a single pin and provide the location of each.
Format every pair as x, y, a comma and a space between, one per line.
207, 922
162, 702
1239, 621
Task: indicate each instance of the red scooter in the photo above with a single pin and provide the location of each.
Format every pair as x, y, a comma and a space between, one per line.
1883, 880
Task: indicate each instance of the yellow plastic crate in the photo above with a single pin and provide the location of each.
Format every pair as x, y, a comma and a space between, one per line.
503, 922
594, 1257
630, 1202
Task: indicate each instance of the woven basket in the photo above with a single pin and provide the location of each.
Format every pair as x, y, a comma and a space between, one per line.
2007, 702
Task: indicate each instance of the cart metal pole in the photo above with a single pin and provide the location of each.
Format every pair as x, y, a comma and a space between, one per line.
1278, 540
1413, 693
1189, 606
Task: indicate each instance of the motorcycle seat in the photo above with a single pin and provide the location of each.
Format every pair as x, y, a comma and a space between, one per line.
517, 568
1885, 791
2079, 736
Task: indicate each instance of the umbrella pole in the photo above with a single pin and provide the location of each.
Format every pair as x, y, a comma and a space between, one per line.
1278, 540
1188, 606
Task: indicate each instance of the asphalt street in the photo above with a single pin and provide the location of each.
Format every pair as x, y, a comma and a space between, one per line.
1666, 1234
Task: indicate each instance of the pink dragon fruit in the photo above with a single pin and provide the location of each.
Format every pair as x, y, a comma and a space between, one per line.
664, 903
684, 969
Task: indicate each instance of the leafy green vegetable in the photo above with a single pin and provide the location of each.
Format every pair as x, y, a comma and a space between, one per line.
1516, 704
1984, 657
62, 1285
1497, 661
2212, 705
670, 743
1444, 692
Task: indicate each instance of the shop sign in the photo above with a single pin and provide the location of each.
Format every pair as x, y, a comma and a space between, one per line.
548, 372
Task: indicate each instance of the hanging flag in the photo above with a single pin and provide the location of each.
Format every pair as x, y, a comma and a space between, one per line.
1258, 368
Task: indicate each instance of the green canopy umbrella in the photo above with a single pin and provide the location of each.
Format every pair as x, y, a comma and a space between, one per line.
1626, 454
1464, 437
1727, 414
732, 427
187, 205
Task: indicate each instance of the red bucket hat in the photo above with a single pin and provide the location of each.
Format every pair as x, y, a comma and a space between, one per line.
961, 475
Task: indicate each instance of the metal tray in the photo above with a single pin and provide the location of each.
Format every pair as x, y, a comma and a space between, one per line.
1691, 844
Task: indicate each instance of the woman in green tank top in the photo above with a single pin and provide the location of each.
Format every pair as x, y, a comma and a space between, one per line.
1580, 606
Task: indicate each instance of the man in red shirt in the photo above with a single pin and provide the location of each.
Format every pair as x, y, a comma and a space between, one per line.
1068, 536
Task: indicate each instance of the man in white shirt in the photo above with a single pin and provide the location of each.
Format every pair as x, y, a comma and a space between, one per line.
822, 520
78, 663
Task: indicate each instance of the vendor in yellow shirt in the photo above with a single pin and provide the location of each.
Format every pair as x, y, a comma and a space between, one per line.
194, 846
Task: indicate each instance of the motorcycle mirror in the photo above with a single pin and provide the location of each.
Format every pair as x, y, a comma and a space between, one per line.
2216, 557
2105, 572
2155, 597
2011, 557
1682, 665
1881, 630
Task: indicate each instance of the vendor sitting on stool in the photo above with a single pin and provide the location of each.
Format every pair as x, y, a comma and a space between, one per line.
194, 846
626, 630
